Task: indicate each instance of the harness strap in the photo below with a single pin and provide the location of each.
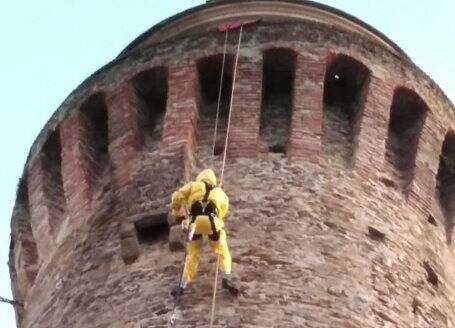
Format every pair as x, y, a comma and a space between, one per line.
209, 209
201, 207
208, 189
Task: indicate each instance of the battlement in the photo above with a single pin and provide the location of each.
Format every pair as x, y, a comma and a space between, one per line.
306, 93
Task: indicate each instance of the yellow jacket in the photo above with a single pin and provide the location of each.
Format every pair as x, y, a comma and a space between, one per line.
194, 191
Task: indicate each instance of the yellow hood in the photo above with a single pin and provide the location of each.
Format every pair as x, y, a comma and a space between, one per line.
207, 176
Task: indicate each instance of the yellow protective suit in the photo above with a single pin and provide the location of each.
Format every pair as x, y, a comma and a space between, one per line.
182, 201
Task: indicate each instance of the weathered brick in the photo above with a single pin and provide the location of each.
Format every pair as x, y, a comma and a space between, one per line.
77, 167
373, 127
306, 123
246, 108
124, 132
181, 112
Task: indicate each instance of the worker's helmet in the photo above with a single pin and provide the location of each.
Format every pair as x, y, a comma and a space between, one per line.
207, 176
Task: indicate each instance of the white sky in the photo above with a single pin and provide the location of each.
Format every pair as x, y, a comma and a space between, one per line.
50, 47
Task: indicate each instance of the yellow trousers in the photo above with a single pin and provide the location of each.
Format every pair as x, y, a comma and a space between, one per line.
193, 250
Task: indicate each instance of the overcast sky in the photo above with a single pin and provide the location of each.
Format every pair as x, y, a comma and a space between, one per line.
50, 47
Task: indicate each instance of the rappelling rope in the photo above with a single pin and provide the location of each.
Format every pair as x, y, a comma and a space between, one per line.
230, 106
219, 94
212, 313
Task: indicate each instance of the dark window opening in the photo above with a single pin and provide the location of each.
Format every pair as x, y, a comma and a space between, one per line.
53, 182
22, 210
431, 220
29, 256
432, 277
407, 116
151, 88
219, 149
152, 229
345, 85
22, 192
95, 112
277, 93
209, 72
277, 149
375, 234
445, 182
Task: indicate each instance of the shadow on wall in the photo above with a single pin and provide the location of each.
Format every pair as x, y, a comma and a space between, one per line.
345, 85
209, 72
94, 112
151, 90
445, 183
279, 66
407, 117
53, 182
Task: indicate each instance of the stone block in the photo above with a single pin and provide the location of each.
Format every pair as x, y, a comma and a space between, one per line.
129, 249
176, 239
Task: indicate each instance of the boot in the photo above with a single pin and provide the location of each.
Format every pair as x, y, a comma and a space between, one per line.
177, 291
227, 284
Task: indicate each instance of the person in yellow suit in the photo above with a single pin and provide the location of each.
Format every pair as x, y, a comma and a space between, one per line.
205, 206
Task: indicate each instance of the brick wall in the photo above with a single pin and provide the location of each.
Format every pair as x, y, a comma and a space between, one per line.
24, 265
246, 107
181, 112
306, 122
46, 196
124, 133
77, 167
373, 128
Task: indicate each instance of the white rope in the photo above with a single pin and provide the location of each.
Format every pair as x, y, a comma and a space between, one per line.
219, 94
230, 106
212, 313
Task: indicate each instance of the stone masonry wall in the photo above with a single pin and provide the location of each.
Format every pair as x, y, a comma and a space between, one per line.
308, 251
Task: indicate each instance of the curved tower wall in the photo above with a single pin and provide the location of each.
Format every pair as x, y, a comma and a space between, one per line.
339, 174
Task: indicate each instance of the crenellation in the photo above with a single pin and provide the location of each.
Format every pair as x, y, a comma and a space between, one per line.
95, 142
124, 133
373, 128
246, 108
277, 94
151, 92
24, 263
345, 88
407, 117
306, 122
209, 77
76, 167
41, 216
181, 112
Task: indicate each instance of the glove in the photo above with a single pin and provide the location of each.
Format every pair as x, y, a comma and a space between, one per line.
185, 225
192, 229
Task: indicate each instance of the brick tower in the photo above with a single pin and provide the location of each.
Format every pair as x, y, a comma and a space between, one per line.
340, 171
